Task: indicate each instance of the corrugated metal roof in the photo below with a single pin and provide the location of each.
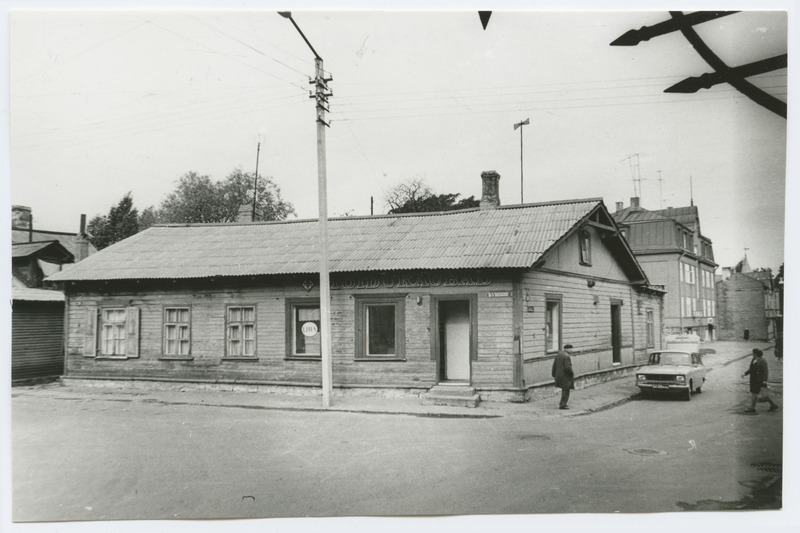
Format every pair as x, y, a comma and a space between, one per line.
67, 240
506, 237
36, 295
28, 248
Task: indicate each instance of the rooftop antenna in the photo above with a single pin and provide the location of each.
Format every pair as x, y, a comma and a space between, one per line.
691, 191
660, 189
636, 176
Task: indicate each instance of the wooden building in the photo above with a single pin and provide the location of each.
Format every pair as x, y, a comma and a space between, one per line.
481, 297
37, 319
676, 256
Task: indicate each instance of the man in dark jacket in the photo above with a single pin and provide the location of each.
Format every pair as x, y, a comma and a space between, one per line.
759, 374
562, 372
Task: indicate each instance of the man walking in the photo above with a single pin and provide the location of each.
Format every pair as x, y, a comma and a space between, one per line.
562, 372
759, 374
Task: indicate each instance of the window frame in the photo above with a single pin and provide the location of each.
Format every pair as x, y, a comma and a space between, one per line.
91, 330
101, 332
241, 357
290, 305
176, 356
559, 300
585, 247
650, 328
362, 304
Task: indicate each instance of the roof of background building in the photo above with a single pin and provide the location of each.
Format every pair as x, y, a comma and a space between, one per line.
67, 240
505, 237
36, 295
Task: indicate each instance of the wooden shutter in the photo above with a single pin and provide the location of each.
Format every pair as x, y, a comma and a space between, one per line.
132, 331
90, 331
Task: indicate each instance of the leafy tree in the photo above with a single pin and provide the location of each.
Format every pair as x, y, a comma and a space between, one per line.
414, 196
199, 199
121, 222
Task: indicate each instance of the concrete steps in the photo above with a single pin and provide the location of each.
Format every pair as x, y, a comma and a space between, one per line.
453, 394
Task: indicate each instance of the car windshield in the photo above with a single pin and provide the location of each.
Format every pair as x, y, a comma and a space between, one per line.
675, 358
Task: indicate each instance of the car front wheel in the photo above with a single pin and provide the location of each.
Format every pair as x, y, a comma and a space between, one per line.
687, 395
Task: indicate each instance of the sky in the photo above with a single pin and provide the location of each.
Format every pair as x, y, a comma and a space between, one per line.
106, 102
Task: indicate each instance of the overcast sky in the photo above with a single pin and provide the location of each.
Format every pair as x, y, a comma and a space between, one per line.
106, 102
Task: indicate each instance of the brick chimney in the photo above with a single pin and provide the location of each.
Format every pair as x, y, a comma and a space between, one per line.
620, 206
635, 201
246, 214
490, 197
82, 241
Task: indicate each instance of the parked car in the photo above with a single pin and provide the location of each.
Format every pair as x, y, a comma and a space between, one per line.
672, 371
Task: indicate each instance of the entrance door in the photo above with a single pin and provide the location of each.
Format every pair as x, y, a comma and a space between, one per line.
454, 340
616, 332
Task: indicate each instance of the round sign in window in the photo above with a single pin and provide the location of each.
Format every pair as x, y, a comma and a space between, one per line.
309, 329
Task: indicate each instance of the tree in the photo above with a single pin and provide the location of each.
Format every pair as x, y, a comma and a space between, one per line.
121, 222
199, 199
414, 196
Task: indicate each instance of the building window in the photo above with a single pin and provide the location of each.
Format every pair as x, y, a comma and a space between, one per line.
241, 331
112, 331
176, 331
303, 337
552, 325
651, 332
380, 327
585, 241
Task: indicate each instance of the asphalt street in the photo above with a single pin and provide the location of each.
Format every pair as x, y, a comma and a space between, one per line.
102, 453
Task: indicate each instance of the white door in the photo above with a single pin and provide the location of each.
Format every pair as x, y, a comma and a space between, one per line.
456, 331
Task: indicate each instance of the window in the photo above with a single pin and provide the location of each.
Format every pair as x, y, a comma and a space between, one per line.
380, 327
552, 325
240, 336
176, 331
112, 331
303, 321
651, 333
585, 242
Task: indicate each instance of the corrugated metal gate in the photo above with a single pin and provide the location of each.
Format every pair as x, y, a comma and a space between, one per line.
36, 339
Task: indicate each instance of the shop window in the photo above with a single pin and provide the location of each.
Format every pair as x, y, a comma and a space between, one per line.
303, 332
176, 331
240, 336
585, 241
380, 327
552, 324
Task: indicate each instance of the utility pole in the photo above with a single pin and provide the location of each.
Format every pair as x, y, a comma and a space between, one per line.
321, 95
255, 181
519, 125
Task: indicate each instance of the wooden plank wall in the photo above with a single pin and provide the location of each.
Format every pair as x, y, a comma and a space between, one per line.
493, 368
37, 339
585, 325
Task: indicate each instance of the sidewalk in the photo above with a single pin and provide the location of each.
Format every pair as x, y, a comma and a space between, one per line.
584, 401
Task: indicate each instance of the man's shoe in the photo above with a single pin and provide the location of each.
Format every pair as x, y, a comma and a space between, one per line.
749, 410
773, 407
563, 407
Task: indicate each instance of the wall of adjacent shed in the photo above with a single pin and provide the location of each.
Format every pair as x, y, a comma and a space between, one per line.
37, 330
492, 369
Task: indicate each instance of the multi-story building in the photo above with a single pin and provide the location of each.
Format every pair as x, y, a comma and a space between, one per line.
748, 303
675, 255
